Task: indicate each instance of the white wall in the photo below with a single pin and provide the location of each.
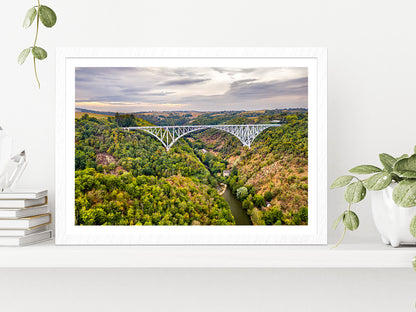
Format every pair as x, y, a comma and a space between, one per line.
371, 99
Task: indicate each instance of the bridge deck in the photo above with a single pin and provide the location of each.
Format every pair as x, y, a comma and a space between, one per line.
201, 126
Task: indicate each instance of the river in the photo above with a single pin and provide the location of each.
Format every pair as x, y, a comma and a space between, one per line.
240, 216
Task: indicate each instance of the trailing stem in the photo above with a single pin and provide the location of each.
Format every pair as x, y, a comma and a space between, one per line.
343, 233
34, 44
341, 239
47, 17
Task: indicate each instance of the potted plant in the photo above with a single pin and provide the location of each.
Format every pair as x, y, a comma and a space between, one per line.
393, 200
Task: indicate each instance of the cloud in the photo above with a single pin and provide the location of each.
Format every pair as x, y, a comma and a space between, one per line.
182, 82
231, 70
134, 90
163, 93
131, 107
249, 94
193, 88
250, 88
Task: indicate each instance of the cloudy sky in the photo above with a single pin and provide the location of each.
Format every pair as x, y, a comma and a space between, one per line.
135, 89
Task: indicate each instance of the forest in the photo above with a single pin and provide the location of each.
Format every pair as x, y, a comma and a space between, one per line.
128, 178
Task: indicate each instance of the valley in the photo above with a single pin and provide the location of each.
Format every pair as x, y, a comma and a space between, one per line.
128, 178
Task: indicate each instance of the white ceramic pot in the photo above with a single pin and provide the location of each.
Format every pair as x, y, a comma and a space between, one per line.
391, 220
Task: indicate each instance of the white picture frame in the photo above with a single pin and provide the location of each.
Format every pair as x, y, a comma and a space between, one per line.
67, 233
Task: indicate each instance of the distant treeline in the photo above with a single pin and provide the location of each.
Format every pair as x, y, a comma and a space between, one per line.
125, 120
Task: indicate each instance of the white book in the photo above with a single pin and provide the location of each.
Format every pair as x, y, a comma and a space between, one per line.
25, 223
23, 203
12, 232
23, 212
25, 240
22, 193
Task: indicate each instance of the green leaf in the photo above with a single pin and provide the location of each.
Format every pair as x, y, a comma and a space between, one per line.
22, 56
338, 220
406, 167
378, 181
30, 17
39, 53
406, 174
412, 227
342, 181
404, 194
47, 16
365, 169
351, 220
403, 156
414, 263
408, 163
355, 192
395, 177
387, 161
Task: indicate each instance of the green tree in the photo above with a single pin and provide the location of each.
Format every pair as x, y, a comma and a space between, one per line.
259, 201
272, 216
268, 196
303, 213
242, 193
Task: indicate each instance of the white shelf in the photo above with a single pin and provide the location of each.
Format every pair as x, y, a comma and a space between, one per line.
48, 255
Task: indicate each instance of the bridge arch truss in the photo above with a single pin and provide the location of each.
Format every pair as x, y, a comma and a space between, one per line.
169, 135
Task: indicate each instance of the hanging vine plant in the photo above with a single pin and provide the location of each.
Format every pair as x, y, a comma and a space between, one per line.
45, 15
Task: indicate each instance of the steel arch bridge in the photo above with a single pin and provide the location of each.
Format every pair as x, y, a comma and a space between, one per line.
168, 135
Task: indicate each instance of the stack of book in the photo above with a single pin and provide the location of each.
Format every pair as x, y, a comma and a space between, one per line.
24, 217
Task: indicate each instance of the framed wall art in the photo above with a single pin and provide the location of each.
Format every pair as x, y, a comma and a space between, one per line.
191, 146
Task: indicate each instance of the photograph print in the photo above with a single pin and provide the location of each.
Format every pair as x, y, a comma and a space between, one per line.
191, 146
